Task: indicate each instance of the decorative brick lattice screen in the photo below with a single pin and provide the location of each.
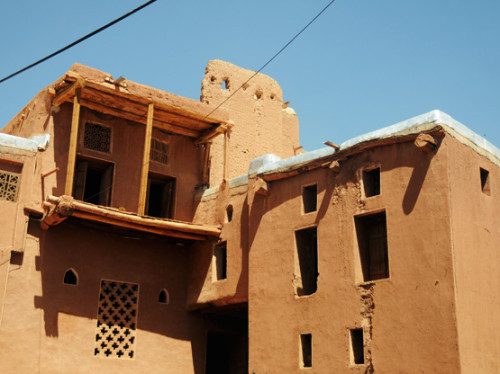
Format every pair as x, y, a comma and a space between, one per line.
9, 184
97, 137
116, 320
159, 151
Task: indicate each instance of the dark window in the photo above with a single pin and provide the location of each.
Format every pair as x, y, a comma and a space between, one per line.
70, 277
310, 198
371, 182
220, 254
93, 181
357, 347
229, 213
307, 256
160, 197
306, 350
485, 181
97, 137
163, 297
371, 232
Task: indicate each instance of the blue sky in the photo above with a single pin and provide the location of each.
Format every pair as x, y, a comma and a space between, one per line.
361, 66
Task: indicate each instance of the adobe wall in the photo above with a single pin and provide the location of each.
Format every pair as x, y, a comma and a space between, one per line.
408, 319
51, 327
260, 127
13, 219
476, 240
204, 288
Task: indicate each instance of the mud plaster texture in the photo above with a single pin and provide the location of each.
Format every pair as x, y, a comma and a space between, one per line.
261, 124
436, 312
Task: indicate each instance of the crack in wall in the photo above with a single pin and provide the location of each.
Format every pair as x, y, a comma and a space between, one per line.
367, 312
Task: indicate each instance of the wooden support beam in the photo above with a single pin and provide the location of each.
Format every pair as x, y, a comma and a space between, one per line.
73, 141
69, 92
425, 142
333, 145
212, 133
226, 149
145, 161
59, 208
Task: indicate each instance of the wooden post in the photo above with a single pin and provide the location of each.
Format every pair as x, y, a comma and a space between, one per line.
73, 140
145, 161
226, 146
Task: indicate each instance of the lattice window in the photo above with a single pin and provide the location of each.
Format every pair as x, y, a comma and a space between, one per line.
97, 137
116, 320
9, 185
159, 151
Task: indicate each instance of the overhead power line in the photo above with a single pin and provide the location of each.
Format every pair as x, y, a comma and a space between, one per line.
78, 41
272, 58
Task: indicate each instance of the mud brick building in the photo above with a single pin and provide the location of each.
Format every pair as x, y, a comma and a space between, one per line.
143, 232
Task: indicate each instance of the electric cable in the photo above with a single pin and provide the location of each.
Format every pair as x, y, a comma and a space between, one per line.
248, 80
275, 55
78, 41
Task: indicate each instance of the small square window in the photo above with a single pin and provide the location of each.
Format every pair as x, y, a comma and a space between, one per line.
97, 137
485, 181
371, 182
310, 198
9, 186
159, 151
357, 347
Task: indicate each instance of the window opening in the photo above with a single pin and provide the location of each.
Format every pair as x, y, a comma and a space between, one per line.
160, 197
16, 258
357, 347
116, 320
229, 213
225, 84
159, 151
9, 186
70, 277
97, 137
306, 261
163, 297
310, 198
220, 256
485, 181
93, 181
371, 233
306, 350
371, 182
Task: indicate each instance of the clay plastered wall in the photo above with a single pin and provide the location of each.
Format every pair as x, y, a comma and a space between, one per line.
50, 327
127, 143
204, 288
476, 240
36, 119
13, 220
408, 319
257, 113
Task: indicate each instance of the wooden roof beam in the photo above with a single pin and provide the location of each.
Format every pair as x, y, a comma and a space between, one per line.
69, 92
212, 133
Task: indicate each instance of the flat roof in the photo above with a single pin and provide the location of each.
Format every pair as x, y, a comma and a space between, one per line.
271, 164
130, 100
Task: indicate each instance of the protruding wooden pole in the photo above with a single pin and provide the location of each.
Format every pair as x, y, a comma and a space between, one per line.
145, 161
226, 149
73, 141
